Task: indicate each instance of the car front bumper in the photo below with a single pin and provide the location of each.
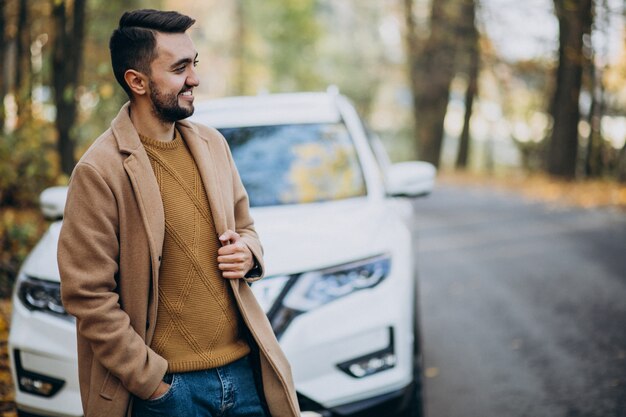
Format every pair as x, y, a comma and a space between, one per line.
376, 323
42, 351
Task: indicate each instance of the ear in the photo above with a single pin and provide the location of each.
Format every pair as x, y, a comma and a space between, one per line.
137, 82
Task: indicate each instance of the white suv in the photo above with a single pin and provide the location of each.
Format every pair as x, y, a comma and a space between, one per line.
340, 289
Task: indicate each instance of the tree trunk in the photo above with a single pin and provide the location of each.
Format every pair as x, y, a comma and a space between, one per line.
621, 165
67, 63
412, 48
563, 148
432, 69
594, 158
469, 33
3, 58
23, 73
465, 139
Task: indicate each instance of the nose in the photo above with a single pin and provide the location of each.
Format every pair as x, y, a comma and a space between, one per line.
192, 79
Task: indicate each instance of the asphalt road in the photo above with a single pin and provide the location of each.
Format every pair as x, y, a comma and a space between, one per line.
523, 307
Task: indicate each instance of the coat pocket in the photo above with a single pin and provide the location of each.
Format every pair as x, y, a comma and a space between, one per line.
110, 386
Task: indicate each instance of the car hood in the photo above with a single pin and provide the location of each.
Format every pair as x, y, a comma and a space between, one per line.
299, 238
295, 238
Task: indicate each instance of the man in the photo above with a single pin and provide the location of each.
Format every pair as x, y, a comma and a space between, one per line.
157, 247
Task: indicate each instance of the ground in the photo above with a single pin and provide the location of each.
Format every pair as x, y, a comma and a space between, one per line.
521, 304
538, 187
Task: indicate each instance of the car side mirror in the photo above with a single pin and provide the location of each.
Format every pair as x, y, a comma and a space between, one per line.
410, 179
52, 202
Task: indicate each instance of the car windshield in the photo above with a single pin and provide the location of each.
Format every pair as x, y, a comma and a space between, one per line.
296, 163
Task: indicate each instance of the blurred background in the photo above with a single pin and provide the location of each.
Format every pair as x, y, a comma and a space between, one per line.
527, 95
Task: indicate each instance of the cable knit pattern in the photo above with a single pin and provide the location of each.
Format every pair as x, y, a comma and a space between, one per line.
197, 321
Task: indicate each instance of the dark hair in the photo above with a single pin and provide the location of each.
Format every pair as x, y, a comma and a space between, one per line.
133, 43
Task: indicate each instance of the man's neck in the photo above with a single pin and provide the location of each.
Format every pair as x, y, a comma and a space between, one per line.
149, 125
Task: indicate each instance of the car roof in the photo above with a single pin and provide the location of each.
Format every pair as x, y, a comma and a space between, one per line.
268, 109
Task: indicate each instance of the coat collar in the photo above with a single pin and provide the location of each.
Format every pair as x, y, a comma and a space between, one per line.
124, 131
127, 137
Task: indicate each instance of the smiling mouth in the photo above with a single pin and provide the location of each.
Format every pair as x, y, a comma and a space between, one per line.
187, 93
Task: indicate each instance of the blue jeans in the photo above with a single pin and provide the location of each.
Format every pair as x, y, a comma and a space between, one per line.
227, 391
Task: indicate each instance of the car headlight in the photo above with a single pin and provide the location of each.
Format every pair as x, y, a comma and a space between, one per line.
314, 289
40, 295
300, 293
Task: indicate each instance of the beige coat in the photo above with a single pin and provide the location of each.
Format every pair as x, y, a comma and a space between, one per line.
109, 255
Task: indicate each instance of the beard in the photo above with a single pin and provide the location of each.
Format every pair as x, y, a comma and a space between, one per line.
165, 106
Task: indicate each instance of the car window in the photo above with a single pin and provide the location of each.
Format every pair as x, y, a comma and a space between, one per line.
296, 163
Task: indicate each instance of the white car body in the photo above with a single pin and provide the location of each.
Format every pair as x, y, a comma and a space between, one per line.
298, 239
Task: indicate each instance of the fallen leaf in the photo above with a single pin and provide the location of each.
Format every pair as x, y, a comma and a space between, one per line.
431, 372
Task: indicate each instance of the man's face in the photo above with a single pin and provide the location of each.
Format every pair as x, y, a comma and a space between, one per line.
173, 77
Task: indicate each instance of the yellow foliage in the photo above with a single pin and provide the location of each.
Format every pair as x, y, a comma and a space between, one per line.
7, 395
541, 187
106, 90
20, 229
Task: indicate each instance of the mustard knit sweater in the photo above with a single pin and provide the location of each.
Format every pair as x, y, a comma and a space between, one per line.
198, 323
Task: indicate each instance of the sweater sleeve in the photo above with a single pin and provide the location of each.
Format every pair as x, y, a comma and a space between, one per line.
88, 255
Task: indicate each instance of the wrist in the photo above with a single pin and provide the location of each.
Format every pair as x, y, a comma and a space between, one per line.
255, 270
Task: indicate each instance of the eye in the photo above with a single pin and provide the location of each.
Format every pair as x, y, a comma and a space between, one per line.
180, 69
195, 63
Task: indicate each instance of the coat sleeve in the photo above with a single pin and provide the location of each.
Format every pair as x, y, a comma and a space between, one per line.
88, 255
244, 224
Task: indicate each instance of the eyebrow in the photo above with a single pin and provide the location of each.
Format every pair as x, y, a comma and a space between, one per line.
183, 61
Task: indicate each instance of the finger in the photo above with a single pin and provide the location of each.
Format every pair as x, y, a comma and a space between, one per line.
233, 248
226, 250
232, 274
231, 267
232, 258
229, 237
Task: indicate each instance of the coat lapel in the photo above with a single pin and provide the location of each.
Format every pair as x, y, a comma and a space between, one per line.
145, 185
146, 190
148, 196
200, 150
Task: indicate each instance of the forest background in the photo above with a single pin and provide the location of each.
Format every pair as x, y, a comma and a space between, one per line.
495, 87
